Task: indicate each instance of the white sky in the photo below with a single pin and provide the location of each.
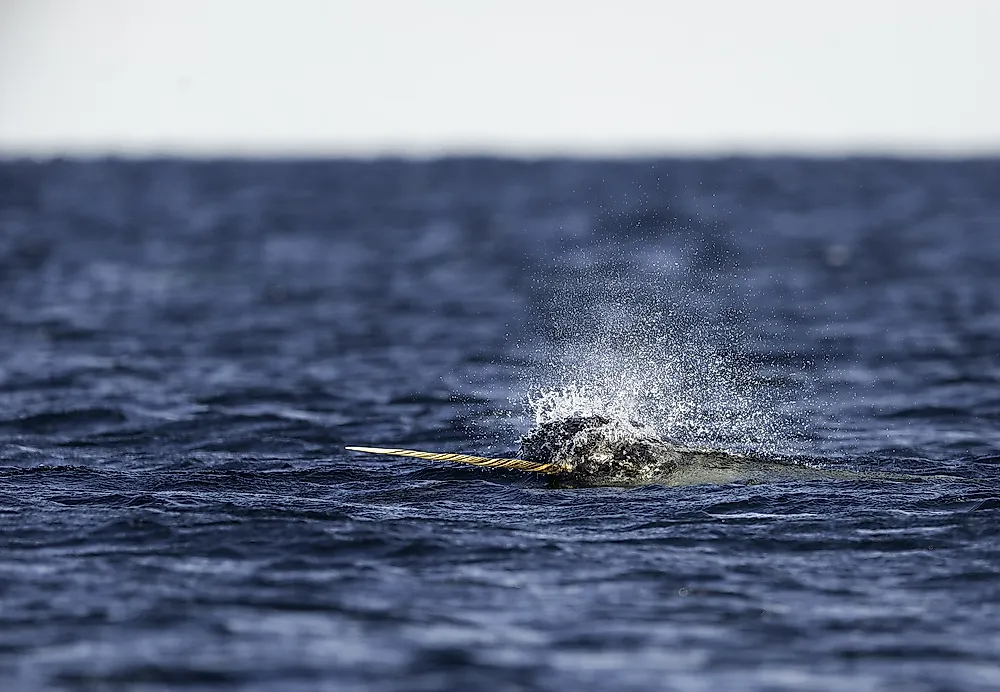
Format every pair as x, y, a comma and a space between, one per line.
359, 77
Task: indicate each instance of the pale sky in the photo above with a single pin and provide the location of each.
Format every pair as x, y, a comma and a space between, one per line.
368, 77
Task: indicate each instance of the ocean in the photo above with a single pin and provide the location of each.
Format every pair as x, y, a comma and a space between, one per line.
186, 347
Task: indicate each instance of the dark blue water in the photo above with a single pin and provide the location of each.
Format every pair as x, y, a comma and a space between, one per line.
185, 348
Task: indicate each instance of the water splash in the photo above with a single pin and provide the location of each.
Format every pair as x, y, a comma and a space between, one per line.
653, 351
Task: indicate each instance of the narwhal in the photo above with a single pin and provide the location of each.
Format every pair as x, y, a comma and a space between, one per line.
597, 450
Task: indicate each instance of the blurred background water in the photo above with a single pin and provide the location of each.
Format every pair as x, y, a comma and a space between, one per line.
185, 347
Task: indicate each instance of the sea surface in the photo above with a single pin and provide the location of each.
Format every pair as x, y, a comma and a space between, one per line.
186, 348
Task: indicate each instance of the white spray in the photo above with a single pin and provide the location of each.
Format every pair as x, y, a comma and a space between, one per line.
654, 353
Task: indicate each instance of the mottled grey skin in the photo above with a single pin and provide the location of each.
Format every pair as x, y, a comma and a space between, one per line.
603, 452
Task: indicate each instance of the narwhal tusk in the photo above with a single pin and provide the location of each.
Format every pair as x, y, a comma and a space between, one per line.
518, 464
